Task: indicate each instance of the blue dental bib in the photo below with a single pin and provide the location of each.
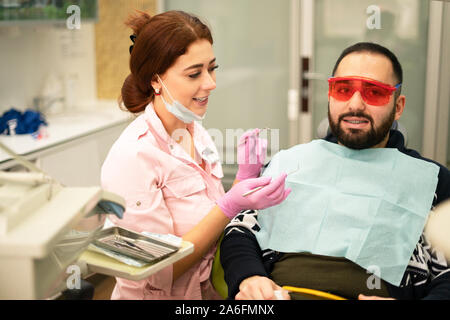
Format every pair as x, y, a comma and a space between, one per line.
369, 206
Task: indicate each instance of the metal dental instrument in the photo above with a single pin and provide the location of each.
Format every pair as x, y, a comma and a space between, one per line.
252, 191
129, 244
260, 187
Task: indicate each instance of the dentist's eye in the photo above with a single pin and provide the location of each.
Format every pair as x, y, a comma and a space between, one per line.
213, 68
195, 75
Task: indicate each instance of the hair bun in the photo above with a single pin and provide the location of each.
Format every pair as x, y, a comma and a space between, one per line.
133, 97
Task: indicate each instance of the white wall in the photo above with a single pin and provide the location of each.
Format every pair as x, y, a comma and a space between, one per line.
30, 52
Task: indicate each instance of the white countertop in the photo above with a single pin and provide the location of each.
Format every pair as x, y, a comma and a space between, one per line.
67, 126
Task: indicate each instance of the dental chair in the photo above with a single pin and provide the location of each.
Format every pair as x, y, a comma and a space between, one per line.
217, 274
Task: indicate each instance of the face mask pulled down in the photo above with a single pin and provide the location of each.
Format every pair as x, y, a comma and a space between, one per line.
178, 110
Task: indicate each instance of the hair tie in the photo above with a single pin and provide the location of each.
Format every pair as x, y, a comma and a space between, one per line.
133, 38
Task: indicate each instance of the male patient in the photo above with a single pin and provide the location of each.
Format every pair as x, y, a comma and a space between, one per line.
353, 224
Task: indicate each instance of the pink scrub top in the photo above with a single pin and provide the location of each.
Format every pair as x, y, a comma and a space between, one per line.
165, 191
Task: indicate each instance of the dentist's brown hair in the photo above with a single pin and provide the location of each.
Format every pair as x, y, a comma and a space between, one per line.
160, 40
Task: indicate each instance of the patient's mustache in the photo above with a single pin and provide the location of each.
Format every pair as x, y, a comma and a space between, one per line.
356, 114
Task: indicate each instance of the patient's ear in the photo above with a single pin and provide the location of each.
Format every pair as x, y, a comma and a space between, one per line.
399, 106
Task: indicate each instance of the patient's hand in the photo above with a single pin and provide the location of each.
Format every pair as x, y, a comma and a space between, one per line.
363, 297
259, 288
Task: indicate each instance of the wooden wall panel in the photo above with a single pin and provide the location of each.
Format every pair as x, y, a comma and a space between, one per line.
113, 42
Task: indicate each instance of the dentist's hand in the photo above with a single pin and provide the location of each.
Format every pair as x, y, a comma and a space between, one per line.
272, 193
251, 154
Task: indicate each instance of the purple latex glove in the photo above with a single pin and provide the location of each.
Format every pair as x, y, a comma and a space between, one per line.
251, 154
272, 193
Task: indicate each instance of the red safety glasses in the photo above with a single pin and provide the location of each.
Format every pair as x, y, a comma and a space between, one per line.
373, 92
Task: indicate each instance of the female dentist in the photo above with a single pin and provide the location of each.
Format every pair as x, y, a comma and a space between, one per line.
165, 164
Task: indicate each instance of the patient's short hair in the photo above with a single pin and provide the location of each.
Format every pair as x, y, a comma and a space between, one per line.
373, 48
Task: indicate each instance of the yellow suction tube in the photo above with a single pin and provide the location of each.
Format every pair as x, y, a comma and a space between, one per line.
314, 293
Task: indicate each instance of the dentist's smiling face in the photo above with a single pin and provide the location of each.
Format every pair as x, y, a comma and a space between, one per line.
191, 78
355, 123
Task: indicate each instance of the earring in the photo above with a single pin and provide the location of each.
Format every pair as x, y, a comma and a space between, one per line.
157, 93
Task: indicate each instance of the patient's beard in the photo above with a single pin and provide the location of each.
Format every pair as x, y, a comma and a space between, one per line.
358, 139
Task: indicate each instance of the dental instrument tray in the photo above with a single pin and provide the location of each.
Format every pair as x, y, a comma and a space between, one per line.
135, 245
